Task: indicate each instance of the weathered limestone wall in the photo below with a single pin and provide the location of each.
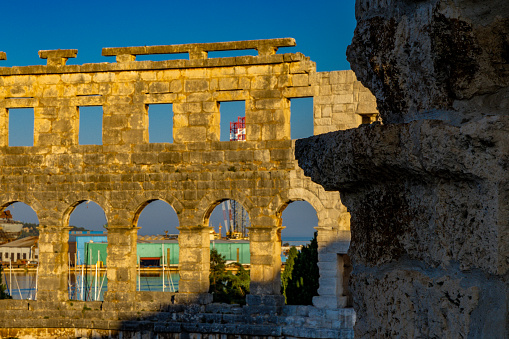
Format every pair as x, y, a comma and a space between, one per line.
427, 189
341, 102
193, 173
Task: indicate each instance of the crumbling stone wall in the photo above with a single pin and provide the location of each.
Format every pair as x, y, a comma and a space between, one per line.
193, 174
427, 189
154, 319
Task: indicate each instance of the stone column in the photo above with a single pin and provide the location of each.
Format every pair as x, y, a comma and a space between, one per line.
332, 247
265, 248
121, 264
194, 265
427, 189
53, 270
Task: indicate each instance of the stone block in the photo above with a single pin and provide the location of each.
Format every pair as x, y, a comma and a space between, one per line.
300, 80
159, 87
176, 86
196, 85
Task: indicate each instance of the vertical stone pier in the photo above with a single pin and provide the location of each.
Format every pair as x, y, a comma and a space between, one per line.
332, 263
121, 264
194, 265
53, 270
265, 247
427, 188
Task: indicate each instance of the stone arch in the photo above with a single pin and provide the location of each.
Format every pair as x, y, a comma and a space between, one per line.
299, 194
212, 199
11, 198
77, 199
142, 200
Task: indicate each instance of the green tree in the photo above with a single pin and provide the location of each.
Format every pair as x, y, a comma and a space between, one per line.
224, 286
217, 266
287, 273
29, 229
3, 294
303, 284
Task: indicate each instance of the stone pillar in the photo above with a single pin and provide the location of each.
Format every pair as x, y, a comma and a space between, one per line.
427, 189
332, 247
194, 265
121, 264
53, 269
265, 247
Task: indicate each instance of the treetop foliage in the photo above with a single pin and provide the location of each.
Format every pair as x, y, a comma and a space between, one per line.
227, 287
299, 281
3, 293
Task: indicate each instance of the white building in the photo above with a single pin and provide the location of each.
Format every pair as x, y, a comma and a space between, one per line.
22, 249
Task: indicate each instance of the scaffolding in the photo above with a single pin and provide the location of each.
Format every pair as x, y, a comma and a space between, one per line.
238, 129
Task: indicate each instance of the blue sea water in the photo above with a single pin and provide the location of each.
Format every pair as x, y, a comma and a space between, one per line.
296, 241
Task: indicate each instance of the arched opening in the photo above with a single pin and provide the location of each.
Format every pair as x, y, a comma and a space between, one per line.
88, 216
230, 254
19, 252
299, 253
157, 248
299, 219
229, 220
88, 241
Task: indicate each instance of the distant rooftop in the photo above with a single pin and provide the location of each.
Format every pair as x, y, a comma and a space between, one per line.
23, 242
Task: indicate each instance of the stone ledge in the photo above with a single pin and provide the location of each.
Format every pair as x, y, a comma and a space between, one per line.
153, 65
58, 53
264, 47
338, 164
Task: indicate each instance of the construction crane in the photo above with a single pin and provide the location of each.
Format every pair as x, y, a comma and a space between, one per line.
236, 219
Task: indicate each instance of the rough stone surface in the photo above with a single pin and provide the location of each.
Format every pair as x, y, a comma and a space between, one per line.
161, 320
427, 189
433, 59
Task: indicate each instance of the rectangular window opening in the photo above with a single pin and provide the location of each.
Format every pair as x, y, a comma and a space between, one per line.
21, 127
91, 125
368, 118
160, 123
301, 117
162, 57
233, 121
233, 53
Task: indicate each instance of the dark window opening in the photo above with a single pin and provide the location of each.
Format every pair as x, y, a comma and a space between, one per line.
146, 262
369, 118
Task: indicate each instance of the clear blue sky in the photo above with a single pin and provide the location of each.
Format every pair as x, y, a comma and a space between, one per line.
322, 29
